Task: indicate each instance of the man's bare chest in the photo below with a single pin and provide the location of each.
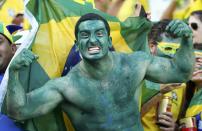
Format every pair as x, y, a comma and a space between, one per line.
114, 92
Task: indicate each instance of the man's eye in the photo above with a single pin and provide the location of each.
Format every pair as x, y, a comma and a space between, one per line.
99, 34
84, 35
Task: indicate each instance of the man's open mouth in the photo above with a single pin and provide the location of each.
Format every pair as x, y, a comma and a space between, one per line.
94, 50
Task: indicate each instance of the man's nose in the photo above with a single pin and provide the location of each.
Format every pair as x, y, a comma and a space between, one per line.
93, 39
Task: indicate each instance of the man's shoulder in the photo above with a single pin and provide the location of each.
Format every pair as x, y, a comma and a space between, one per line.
138, 55
66, 80
74, 73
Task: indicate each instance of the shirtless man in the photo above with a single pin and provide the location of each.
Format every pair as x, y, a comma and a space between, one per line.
101, 92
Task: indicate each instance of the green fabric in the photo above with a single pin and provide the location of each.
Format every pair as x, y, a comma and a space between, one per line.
16, 37
1, 28
196, 99
137, 41
46, 10
149, 89
134, 31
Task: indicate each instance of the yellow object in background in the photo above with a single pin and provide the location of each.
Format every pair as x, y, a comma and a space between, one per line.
194, 110
185, 12
4, 31
9, 9
145, 4
149, 119
83, 2
127, 8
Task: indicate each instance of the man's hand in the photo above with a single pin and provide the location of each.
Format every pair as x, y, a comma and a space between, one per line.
166, 122
179, 28
197, 75
24, 58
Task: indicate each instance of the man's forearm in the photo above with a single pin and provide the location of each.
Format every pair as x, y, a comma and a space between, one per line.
185, 56
16, 96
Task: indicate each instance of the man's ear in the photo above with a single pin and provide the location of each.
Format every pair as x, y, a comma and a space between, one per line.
13, 48
110, 42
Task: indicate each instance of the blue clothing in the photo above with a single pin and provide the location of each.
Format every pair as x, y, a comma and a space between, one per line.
199, 122
6, 124
1, 77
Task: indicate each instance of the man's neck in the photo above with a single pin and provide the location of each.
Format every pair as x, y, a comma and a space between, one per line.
97, 68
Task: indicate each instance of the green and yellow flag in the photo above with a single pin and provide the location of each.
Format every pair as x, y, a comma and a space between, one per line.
195, 106
55, 36
52, 39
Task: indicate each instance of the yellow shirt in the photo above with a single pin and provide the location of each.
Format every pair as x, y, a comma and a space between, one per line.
149, 119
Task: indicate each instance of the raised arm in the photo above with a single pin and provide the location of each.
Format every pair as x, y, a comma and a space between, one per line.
178, 69
22, 105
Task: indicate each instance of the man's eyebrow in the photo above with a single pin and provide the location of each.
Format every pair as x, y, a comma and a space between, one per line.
84, 30
102, 28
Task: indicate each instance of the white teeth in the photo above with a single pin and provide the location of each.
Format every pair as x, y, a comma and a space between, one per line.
93, 50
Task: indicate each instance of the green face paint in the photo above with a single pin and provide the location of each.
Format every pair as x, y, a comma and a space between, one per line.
93, 40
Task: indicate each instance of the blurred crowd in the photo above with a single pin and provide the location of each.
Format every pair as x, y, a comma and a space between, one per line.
177, 98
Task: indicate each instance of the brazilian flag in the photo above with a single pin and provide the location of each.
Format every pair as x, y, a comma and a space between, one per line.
195, 106
58, 18
53, 23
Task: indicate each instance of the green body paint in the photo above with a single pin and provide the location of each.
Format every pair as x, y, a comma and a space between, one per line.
101, 92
